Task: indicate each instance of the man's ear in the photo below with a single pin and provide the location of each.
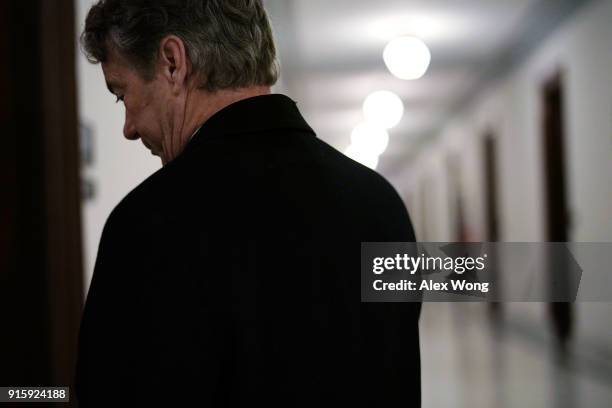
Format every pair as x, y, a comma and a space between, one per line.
173, 61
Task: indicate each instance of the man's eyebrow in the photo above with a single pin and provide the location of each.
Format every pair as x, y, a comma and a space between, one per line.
112, 86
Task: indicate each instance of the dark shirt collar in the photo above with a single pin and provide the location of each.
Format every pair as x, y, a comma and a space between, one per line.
252, 115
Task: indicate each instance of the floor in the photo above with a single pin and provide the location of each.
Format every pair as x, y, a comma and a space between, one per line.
467, 361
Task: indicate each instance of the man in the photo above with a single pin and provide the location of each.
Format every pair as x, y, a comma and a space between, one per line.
231, 276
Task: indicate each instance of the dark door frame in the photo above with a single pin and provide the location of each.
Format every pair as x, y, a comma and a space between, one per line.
41, 274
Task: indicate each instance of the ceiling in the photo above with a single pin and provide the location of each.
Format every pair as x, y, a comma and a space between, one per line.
331, 56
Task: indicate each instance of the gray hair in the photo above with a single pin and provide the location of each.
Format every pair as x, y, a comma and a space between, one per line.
228, 42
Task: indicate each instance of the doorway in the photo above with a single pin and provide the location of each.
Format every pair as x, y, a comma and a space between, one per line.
555, 197
491, 180
491, 188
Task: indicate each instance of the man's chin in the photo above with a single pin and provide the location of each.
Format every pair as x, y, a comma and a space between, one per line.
156, 154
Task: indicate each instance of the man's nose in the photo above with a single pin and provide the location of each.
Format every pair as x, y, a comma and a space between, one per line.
129, 131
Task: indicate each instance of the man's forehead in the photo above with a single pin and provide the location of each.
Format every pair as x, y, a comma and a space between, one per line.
113, 81
116, 72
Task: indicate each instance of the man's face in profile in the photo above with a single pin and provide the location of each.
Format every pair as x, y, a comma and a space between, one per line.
146, 113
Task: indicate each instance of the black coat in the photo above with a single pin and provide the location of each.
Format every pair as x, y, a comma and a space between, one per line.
231, 277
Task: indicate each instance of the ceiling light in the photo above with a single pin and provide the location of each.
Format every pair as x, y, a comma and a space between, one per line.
370, 138
383, 108
407, 57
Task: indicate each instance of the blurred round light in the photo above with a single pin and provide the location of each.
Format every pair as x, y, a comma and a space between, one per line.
407, 57
364, 157
383, 108
370, 138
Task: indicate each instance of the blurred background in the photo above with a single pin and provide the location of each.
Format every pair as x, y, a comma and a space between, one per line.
492, 119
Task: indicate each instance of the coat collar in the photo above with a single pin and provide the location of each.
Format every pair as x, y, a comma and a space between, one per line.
252, 115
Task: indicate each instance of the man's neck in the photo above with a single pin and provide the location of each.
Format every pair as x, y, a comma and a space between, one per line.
206, 104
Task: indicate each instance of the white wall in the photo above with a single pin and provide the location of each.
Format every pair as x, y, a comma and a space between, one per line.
120, 165
511, 108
